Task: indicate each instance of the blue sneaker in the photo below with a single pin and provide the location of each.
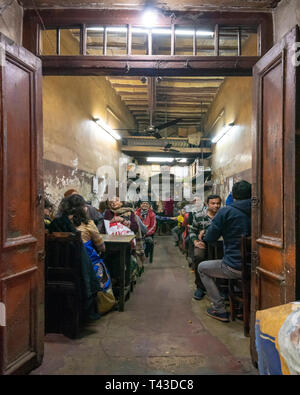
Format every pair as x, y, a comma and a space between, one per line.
199, 293
224, 317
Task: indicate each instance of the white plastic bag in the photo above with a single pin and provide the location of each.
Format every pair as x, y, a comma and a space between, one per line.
116, 228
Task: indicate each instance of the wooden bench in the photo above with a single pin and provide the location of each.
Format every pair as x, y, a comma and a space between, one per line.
63, 283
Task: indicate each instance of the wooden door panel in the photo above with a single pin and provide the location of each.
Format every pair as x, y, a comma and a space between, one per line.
21, 226
272, 150
19, 299
269, 295
18, 151
275, 201
270, 259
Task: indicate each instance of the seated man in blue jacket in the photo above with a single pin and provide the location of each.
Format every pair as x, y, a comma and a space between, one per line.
230, 222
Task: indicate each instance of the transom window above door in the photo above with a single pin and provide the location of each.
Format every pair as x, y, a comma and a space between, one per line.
112, 40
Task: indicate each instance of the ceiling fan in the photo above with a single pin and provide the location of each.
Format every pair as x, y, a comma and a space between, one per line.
154, 130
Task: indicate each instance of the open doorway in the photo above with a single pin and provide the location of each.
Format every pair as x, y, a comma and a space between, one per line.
75, 147
270, 242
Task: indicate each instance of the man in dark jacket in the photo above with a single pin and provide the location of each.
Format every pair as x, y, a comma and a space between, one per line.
230, 223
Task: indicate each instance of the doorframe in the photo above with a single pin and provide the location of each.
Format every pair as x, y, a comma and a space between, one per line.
37, 20
147, 65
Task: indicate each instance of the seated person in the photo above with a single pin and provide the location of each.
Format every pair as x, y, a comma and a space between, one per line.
146, 214
92, 212
102, 207
140, 222
177, 230
185, 233
231, 222
90, 236
73, 218
115, 212
201, 221
78, 215
197, 206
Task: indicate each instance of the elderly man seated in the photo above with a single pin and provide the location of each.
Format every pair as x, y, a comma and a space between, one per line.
230, 222
147, 215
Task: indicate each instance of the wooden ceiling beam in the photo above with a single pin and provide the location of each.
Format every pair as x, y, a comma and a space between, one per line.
167, 86
149, 65
129, 86
173, 103
146, 150
189, 90
169, 79
197, 103
170, 108
173, 116
129, 94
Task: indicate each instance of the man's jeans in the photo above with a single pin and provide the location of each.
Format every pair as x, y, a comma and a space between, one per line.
208, 271
200, 254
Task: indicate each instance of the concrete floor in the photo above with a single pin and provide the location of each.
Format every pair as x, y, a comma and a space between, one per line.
163, 331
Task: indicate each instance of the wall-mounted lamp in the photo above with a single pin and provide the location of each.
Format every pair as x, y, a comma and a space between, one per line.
107, 129
224, 130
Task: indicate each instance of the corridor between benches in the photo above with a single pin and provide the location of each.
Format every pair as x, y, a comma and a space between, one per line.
163, 330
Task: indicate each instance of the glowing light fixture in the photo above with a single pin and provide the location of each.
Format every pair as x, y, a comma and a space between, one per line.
149, 24
185, 32
224, 130
117, 29
149, 17
95, 29
204, 33
161, 31
156, 159
107, 128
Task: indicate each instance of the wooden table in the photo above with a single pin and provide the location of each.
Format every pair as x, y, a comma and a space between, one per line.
120, 244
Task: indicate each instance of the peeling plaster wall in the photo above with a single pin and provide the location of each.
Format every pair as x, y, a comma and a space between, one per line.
75, 147
285, 17
11, 20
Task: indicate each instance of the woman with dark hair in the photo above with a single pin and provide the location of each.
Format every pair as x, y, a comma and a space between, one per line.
76, 211
93, 243
73, 218
91, 212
